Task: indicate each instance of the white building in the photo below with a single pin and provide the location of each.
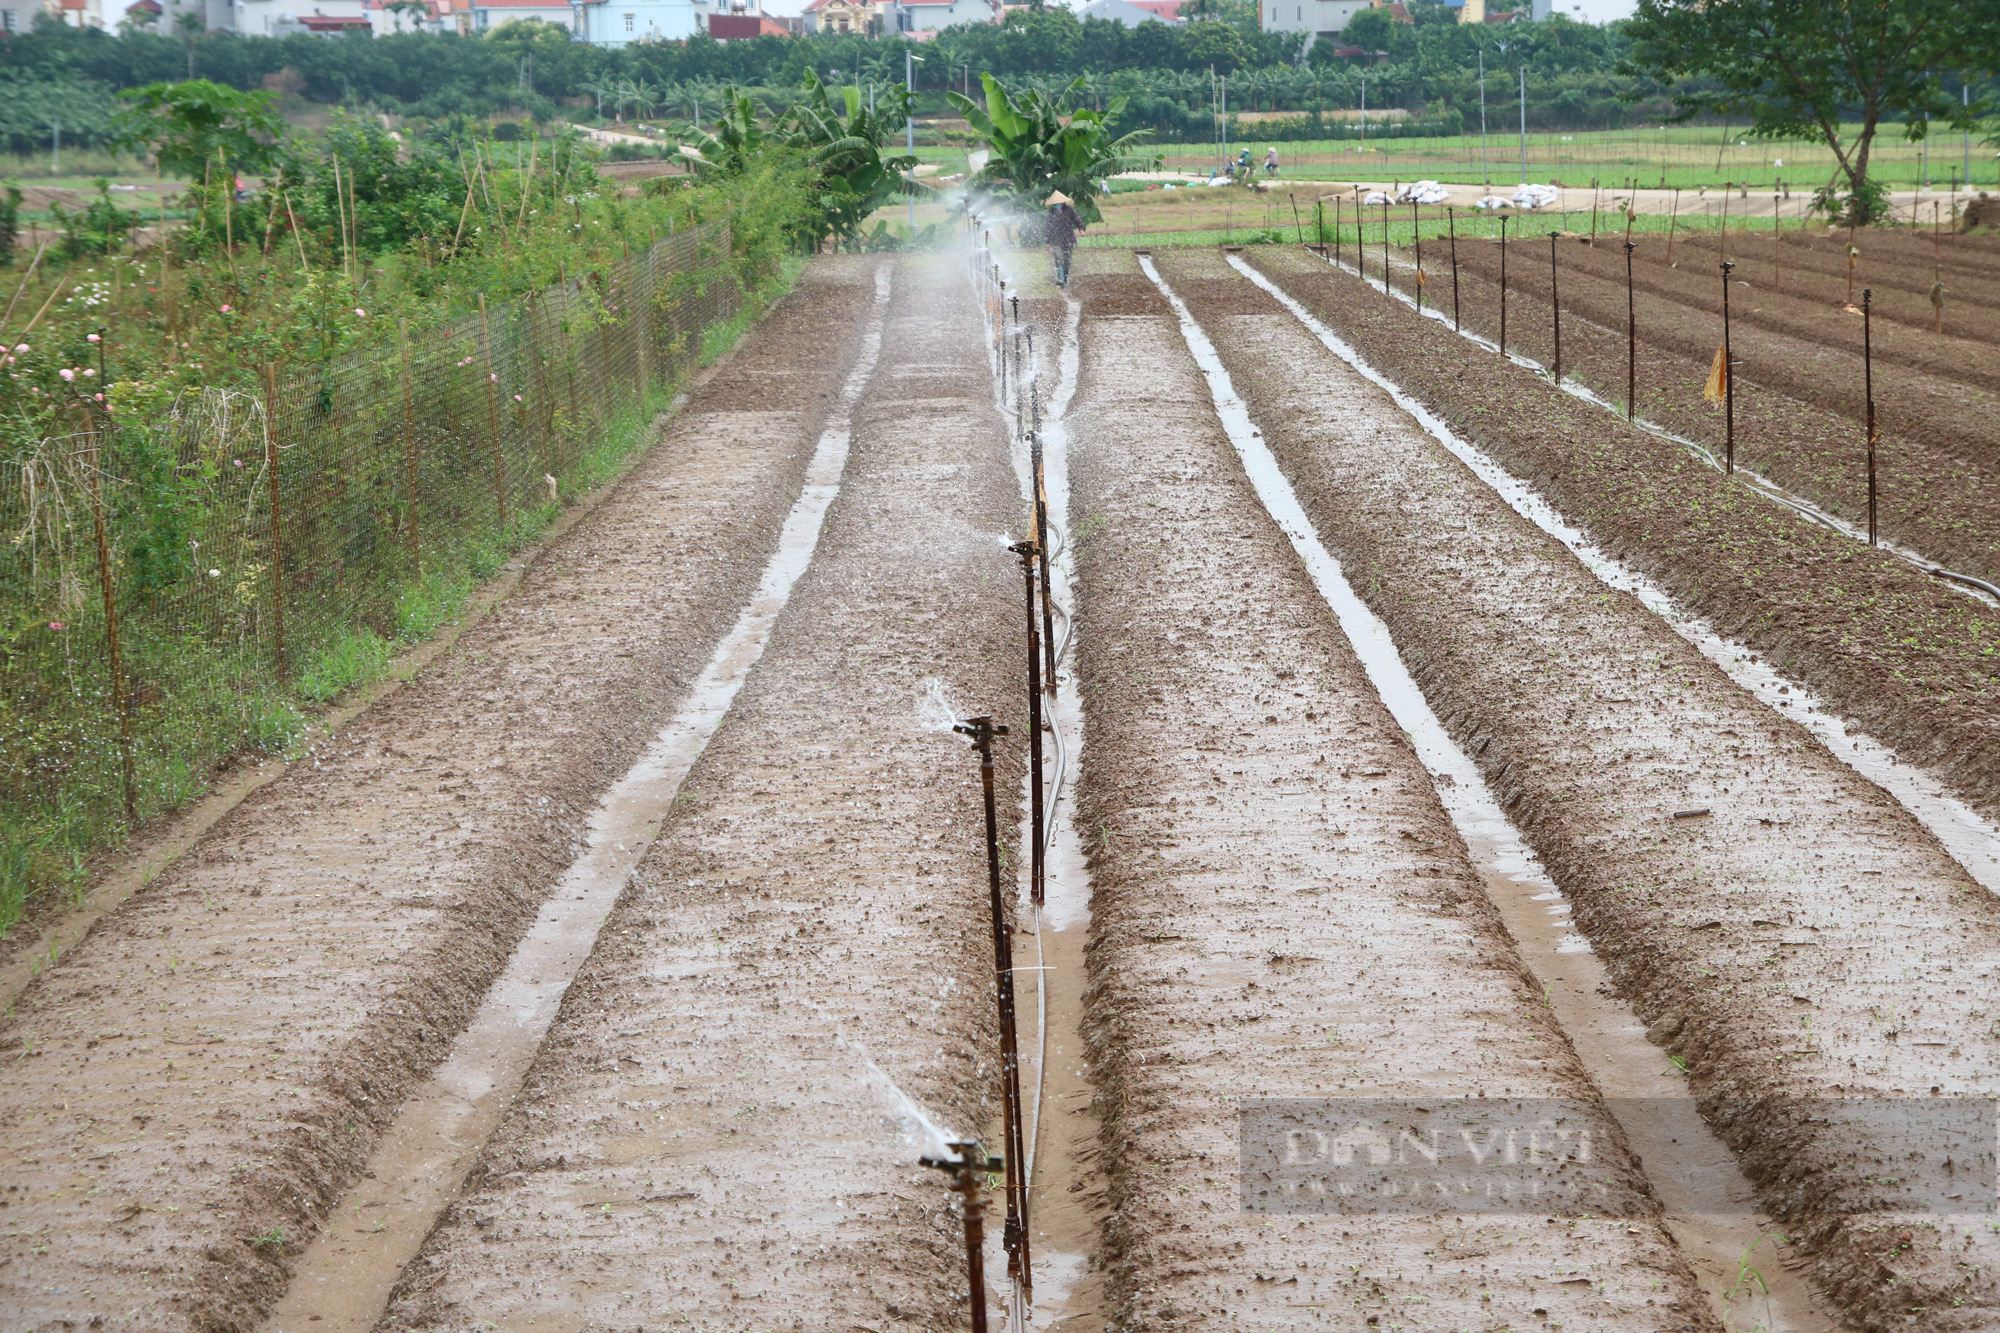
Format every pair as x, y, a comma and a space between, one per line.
1127, 13
1315, 18
284, 18
937, 15
623, 22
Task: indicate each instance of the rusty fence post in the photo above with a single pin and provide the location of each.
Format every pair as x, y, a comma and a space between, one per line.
1631, 340
1868, 380
1451, 221
493, 415
1728, 381
1417, 240
277, 519
410, 446
108, 586
1555, 307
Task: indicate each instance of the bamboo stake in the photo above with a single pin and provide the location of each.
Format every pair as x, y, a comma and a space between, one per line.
120, 699
277, 517
493, 415
25, 280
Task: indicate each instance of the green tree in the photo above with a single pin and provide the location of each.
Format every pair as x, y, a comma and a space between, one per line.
189, 125
1043, 144
1804, 68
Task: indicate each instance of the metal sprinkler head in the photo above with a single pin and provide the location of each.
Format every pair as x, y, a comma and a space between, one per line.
971, 1157
1027, 550
1728, 264
982, 729
1017, 307
1631, 246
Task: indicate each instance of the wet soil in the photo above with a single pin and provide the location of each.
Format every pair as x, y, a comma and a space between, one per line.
1800, 406
1900, 653
703, 1138
1803, 937
1283, 909
194, 1083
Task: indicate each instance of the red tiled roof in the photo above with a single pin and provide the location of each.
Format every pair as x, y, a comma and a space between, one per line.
1166, 9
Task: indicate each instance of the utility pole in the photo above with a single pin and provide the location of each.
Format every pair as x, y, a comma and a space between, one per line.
910, 63
1524, 124
55, 155
1485, 169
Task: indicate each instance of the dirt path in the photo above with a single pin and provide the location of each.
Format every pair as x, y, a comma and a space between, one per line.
1800, 408
194, 1084
1283, 910
702, 1138
1802, 939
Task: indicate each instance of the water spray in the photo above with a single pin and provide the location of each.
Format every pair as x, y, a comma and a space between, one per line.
982, 730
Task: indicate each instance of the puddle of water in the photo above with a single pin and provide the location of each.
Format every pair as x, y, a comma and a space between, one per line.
1972, 840
344, 1278
1681, 1157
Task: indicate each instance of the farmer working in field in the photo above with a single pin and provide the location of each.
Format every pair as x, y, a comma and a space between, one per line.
1060, 230
1271, 161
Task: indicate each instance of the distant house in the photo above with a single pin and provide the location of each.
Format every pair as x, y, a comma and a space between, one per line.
741, 27
850, 16
487, 15
914, 16
393, 16
1168, 11
624, 22
1128, 13
1315, 18
289, 18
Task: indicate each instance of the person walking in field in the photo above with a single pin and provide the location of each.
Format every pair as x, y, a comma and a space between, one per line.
1060, 229
1271, 161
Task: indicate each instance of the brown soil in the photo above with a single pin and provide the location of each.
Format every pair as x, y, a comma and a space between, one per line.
1282, 908
1908, 658
695, 1141
199, 1078
1800, 408
1770, 941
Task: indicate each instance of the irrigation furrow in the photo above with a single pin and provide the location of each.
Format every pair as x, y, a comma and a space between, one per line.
714, 1132
1063, 1129
1799, 942
190, 1089
1285, 911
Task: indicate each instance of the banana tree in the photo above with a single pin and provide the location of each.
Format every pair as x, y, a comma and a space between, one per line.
843, 145
738, 137
1045, 143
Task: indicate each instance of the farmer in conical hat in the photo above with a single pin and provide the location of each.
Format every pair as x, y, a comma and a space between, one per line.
1060, 229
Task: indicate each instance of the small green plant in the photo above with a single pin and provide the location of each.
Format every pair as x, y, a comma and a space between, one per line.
358, 657
273, 1239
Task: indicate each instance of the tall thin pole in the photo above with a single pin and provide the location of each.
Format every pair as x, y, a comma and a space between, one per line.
1673, 216
910, 126
1029, 553
107, 584
1503, 284
1555, 306
1728, 380
1385, 246
1417, 239
1868, 379
1524, 124
1485, 167
982, 730
1336, 231
1451, 221
1631, 340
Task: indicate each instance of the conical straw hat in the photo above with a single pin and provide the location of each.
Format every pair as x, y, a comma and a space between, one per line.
1058, 197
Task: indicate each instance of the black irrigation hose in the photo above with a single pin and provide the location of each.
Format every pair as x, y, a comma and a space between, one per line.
1761, 484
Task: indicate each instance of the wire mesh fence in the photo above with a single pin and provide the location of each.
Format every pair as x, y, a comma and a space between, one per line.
173, 586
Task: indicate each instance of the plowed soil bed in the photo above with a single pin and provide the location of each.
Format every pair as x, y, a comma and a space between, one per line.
1800, 401
1913, 661
1802, 892
195, 1083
